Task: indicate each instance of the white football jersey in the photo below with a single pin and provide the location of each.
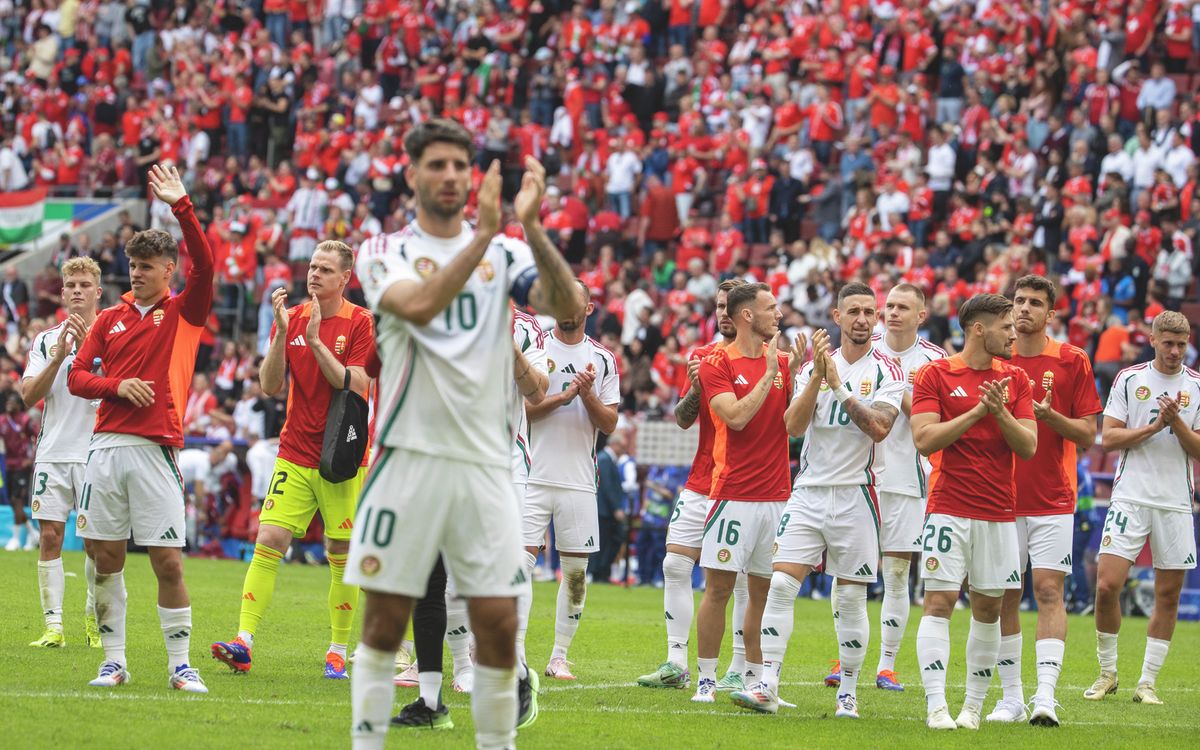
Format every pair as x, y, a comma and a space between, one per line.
532, 342
836, 453
906, 470
564, 441
68, 420
1157, 473
445, 388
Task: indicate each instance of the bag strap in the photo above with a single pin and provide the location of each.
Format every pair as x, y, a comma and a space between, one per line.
346, 384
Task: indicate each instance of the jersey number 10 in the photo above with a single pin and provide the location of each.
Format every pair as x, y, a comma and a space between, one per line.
463, 312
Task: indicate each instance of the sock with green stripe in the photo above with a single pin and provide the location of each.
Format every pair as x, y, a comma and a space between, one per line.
257, 589
343, 599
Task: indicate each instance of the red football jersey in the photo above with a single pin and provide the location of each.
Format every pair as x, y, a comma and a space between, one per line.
973, 476
700, 478
750, 465
350, 335
1046, 483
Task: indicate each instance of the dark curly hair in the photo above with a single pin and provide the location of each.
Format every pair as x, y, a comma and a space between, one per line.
152, 243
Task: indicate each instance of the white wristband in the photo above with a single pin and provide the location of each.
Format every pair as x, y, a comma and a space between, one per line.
842, 393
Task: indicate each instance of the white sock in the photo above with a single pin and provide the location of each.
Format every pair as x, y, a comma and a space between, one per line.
51, 582
741, 597
933, 656
524, 603
893, 615
335, 648
430, 686
177, 634
572, 593
1156, 654
1106, 651
1008, 663
679, 606
777, 622
1049, 653
752, 674
833, 595
494, 706
89, 574
110, 614
983, 643
458, 634
707, 669
853, 632
247, 638
371, 695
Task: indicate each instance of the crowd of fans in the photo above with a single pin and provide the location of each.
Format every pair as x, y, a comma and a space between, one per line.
954, 144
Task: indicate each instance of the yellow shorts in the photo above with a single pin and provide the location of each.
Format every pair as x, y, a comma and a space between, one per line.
297, 492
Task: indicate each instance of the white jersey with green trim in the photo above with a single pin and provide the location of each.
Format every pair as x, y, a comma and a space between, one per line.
564, 441
528, 337
446, 387
907, 471
836, 453
1158, 472
67, 420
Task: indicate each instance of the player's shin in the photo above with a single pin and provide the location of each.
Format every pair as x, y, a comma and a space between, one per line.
983, 645
110, 614
933, 656
89, 573
572, 592
177, 634
458, 635
893, 615
853, 631
524, 604
1008, 664
257, 589
1049, 665
679, 606
494, 706
777, 623
1156, 654
741, 597
343, 601
371, 695
51, 582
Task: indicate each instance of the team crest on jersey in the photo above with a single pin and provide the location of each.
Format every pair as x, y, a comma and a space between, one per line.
1107, 541
1185, 399
81, 522
724, 555
37, 505
912, 375
339, 346
824, 385
377, 271
370, 565
1047, 380
932, 564
157, 316
778, 382
485, 270
268, 504
864, 388
1142, 393
775, 549
425, 267
550, 366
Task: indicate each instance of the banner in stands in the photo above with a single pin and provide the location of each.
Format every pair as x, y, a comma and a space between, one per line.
21, 215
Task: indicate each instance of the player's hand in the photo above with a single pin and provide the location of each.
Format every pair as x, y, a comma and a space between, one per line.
279, 305
1042, 409
798, 353
528, 203
313, 332
993, 395
140, 392
74, 331
585, 379
570, 392
487, 217
773, 354
166, 184
1168, 412
820, 346
694, 372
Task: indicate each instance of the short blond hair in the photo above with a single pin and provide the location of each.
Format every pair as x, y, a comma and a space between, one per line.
1170, 321
344, 252
81, 265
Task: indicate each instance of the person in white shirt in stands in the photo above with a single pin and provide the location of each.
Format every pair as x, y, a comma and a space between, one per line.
1146, 161
1117, 160
306, 216
890, 201
623, 168
12, 171
1158, 91
1177, 159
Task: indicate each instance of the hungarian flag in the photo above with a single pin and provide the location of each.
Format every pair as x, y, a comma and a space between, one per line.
21, 215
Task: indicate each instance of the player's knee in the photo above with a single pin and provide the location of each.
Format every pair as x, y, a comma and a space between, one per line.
784, 590
1047, 592
1167, 602
1108, 588
575, 578
52, 537
677, 568
337, 546
895, 574
169, 571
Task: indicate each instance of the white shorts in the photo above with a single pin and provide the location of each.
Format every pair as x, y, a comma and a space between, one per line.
983, 552
55, 490
739, 535
576, 519
136, 487
839, 523
1045, 541
416, 506
901, 522
1127, 526
687, 520
260, 459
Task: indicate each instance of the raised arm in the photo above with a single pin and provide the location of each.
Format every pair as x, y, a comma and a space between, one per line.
554, 292
1079, 430
875, 420
737, 412
196, 300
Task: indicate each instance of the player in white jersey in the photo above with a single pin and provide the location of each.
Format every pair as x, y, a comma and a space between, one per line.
1152, 417
845, 402
62, 448
443, 443
582, 399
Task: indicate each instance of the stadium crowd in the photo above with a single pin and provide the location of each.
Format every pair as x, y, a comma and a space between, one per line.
952, 144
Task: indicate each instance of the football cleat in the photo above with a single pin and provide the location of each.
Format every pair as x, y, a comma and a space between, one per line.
887, 680
668, 675
732, 682
92, 629
50, 639
1146, 693
559, 668
847, 707
706, 691
335, 667
464, 681
527, 699
968, 718
1043, 714
188, 680
111, 674
758, 699
235, 654
407, 678
417, 715
404, 658
1105, 684
939, 718
1008, 711
834, 678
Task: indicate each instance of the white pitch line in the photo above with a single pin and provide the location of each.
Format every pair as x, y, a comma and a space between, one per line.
556, 688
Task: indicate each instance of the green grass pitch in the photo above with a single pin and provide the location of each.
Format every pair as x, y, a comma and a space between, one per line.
285, 703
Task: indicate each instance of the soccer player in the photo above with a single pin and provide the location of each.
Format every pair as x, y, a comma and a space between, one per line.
747, 388
970, 414
685, 533
1152, 416
320, 343
581, 399
443, 446
62, 448
1065, 404
845, 402
142, 352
